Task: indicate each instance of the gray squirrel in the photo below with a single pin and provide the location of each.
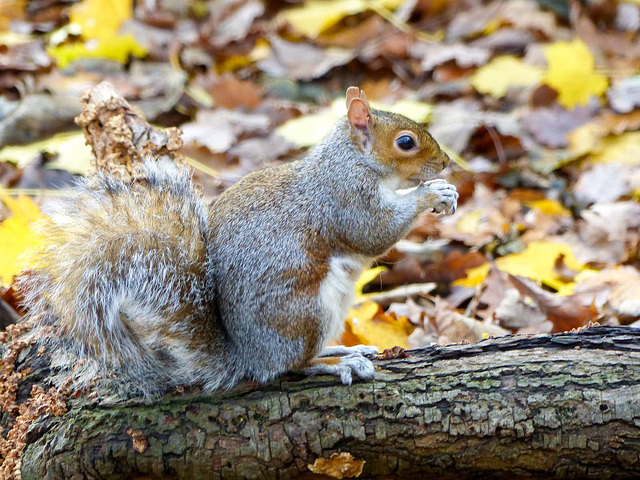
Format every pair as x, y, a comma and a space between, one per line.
150, 287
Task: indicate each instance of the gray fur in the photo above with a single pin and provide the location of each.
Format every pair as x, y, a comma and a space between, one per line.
157, 316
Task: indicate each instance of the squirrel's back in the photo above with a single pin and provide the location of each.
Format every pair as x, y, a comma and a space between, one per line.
121, 276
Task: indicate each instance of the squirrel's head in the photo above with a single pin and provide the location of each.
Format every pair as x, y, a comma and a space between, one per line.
399, 143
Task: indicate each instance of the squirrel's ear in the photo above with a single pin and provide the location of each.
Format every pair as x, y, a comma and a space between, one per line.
359, 114
352, 92
361, 121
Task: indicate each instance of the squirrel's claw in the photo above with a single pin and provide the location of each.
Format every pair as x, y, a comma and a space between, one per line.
345, 368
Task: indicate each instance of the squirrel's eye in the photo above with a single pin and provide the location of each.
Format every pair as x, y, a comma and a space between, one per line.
405, 142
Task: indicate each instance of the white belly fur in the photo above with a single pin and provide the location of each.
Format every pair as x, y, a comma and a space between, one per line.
337, 293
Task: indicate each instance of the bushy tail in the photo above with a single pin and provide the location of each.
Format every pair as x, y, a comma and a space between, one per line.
121, 278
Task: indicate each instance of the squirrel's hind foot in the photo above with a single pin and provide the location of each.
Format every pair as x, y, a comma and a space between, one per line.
344, 367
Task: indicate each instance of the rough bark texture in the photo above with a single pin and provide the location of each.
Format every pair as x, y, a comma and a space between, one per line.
563, 406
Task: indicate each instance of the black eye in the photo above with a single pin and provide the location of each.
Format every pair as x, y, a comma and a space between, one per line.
405, 142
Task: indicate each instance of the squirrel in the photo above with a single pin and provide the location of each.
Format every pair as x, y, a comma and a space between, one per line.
152, 288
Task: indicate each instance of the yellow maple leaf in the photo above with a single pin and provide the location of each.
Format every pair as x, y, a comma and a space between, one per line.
17, 236
72, 152
367, 276
118, 48
99, 22
622, 149
571, 73
503, 72
369, 325
475, 276
549, 207
315, 16
537, 261
100, 19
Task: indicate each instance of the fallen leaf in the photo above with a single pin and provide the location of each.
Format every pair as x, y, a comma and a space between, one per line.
307, 130
340, 465
392, 354
316, 16
100, 19
565, 312
607, 233
623, 149
516, 312
548, 207
565, 273
17, 236
537, 263
368, 276
302, 61
369, 325
550, 125
589, 189
503, 72
73, 154
434, 54
118, 48
453, 327
261, 150
525, 15
568, 61
228, 126
624, 96
230, 92
475, 276
622, 284
236, 24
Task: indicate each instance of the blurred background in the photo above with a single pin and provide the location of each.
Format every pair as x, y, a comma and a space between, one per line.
537, 102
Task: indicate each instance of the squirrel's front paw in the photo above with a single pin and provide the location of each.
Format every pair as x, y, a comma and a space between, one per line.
344, 367
439, 196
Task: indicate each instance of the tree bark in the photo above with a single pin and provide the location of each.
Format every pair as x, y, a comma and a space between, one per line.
546, 406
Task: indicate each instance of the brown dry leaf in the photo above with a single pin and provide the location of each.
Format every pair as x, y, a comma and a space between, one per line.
550, 125
526, 15
340, 465
454, 123
563, 271
565, 312
477, 220
450, 326
261, 150
232, 21
621, 286
607, 233
589, 187
434, 54
230, 92
472, 22
522, 314
302, 61
491, 294
25, 57
392, 353
609, 43
624, 96
227, 125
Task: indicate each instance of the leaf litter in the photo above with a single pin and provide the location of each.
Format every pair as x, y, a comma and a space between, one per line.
539, 109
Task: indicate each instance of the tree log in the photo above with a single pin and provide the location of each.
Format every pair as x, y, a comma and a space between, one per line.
545, 406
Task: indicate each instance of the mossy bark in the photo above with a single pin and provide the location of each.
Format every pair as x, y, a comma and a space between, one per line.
563, 406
